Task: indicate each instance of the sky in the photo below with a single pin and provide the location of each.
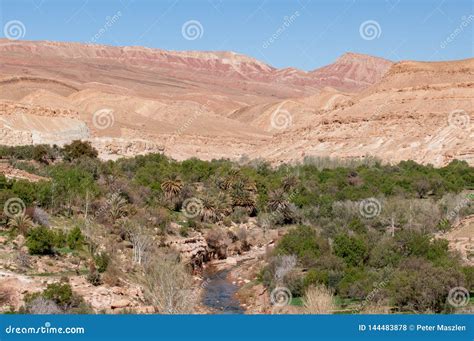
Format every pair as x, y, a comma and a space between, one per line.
305, 34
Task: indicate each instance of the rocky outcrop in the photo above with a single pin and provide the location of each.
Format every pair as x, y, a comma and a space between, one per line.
193, 250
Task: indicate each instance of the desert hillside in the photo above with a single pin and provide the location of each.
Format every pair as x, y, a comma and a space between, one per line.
134, 100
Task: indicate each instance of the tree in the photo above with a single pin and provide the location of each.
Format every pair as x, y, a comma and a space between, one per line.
117, 206
304, 243
141, 242
278, 201
210, 209
172, 186
78, 149
418, 286
40, 153
289, 182
353, 250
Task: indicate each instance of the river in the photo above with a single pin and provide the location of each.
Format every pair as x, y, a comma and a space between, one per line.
219, 292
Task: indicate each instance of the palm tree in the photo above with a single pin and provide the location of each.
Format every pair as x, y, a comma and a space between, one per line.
117, 206
172, 186
224, 203
277, 201
289, 182
230, 179
210, 209
21, 222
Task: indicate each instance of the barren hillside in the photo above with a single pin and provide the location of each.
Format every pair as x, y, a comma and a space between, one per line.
134, 100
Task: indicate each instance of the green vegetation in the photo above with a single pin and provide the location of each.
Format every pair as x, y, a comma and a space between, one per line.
336, 241
55, 299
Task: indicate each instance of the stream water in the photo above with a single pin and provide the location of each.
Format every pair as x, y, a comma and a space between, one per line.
219, 292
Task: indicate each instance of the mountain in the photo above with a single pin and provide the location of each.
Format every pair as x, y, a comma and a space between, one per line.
132, 100
419, 110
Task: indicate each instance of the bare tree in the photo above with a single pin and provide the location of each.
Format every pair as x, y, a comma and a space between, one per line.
141, 242
168, 287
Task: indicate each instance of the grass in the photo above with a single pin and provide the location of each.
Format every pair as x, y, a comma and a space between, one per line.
297, 301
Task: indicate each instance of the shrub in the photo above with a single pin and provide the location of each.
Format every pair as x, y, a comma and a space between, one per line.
94, 278
60, 293
352, 249
102, 261
55, 299
420, 287
316, 277
41, 241
304, 243
77, 149
75, 239
168, 287
42, 306
319, 300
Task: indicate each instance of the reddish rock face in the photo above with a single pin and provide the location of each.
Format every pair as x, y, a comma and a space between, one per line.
135, 100
350, 72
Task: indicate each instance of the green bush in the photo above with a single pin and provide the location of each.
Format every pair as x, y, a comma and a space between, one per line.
41, 241
75, 239
304, 243
316, 277
353, 250
419, 286
78, 149
60, 293
102, 261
